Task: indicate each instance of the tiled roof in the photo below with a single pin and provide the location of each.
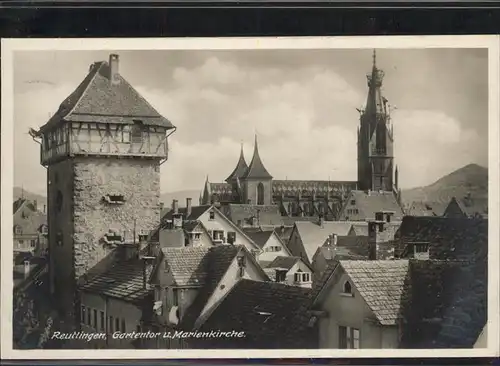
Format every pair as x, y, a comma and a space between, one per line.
256, 169
473, 206
313, 235
96, 99
217, 262
196, 212
381, 284
419, 208
124, 281
283, 262
241, 168
267, 214
265, 311
188, 265
370, 203
447, 237
259, 237
32, 223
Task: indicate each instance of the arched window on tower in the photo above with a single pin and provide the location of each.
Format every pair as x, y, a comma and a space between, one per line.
260, 194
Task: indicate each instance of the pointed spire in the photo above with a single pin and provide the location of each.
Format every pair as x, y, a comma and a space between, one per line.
376, 103
256, 168
241, 168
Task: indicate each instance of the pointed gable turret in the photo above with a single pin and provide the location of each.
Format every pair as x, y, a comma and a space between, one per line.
240, 169
256, 169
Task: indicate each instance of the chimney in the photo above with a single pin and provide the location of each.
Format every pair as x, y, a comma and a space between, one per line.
175, 206
114, 62
188, 207
162, 205
321, 220
241, 263
282, 229
334, 240
44, 209
27, 268
35, 205
372, 240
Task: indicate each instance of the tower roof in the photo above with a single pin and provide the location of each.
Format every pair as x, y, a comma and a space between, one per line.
240, 169
256, 169
104, 96
375, 103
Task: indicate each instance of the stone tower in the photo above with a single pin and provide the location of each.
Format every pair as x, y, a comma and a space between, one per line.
375, 138
256, 181
102, 149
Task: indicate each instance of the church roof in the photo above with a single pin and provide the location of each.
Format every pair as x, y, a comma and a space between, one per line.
240, 169
99, 100
256, 168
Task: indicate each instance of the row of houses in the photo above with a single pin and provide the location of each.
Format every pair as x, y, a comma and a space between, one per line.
379, 284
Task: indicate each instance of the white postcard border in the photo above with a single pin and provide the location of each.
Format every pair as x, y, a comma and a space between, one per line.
9, 46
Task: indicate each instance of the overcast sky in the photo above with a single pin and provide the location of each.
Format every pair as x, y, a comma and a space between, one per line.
302, 103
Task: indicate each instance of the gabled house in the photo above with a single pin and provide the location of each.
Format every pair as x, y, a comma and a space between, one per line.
359, 302
307, 237
467, 207
291, 271
430, 237
116, 300
339, 248
364, 205
30, 228
261, 315
270, 244
218, 226
247, 215
188, 233
421, 208
190, 282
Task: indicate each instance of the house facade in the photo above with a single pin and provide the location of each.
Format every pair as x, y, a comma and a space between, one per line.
270, 244
290, 270
30, 228
220, 229
190, 282
360, 303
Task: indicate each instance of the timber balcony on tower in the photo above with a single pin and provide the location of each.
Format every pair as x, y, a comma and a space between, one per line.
99, 139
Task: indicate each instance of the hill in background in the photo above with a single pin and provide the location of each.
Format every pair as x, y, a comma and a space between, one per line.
471, 179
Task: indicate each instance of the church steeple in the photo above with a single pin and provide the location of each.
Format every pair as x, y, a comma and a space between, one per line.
256, 169
375, 137
241, 168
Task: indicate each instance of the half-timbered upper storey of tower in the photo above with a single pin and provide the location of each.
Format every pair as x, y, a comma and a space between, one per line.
104, 116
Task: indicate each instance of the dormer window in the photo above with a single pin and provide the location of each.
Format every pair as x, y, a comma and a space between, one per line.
212, 215
44, 229
379, 216
353, 202
302, 277
280, 275
347, 289
18, 230
117, 199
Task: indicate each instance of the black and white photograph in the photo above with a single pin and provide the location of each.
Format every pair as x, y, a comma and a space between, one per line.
258, 197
